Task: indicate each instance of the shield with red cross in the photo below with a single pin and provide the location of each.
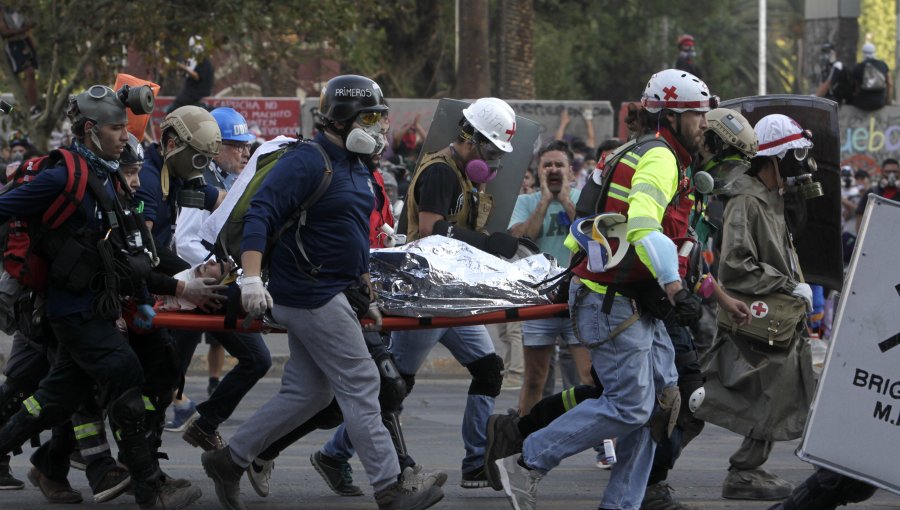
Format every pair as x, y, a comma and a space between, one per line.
759, 309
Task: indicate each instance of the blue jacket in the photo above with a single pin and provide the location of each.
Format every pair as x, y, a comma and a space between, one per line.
337, 232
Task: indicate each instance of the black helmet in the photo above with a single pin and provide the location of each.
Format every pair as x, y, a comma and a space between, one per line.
133, 153
347, 95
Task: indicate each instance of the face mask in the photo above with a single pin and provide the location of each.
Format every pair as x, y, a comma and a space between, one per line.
479, 172
186, 163
704, 183
890, 181
16, 157
370, 140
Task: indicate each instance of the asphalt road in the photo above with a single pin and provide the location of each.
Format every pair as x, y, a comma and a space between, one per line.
432, 427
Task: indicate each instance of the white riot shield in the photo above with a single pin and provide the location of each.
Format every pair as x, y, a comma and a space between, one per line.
505, 187
854, 425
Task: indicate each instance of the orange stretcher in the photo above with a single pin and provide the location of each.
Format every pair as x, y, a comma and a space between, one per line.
202, 322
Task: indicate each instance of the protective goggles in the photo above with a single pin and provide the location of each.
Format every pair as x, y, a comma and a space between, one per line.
371, 118
100, 91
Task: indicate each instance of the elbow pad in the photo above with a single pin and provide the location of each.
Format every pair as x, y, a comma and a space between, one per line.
663, 257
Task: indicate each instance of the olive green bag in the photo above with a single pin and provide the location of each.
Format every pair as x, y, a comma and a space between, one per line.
774, 317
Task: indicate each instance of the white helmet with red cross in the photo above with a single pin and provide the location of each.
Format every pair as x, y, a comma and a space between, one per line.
779, 133
679, 91
494, 119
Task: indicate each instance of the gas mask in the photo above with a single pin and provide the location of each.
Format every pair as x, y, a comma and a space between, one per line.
484, 168
888, 181
368, 138
797, 168
188, 164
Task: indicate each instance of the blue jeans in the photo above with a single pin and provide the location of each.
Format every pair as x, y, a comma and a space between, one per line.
625, 366
467, 344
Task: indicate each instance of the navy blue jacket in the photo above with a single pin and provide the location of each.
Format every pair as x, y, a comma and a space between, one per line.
337, 232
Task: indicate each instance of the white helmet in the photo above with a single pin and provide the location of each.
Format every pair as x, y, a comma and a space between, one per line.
778, 134
678, 91
494, 119
593, 233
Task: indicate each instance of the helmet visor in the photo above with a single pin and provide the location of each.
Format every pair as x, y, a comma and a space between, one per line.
371, 118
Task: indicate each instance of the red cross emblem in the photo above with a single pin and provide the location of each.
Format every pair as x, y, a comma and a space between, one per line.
759, 309
670, 93
511, 132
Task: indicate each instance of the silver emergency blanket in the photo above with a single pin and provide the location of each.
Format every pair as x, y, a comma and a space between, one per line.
441, 277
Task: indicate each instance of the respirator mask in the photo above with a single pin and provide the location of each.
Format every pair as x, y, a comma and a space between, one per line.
369, 138
484, 168
888, 181
188, 164
797, 168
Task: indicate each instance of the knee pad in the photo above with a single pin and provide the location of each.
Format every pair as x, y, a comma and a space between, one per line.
410, 380
128, 412
487, 375
328, 418
393, 387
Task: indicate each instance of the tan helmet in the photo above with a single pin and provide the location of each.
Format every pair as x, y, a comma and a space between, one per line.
734, 129
197, 128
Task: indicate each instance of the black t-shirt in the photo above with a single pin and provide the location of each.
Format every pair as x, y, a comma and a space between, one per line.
194, 91
438, 191
869, 99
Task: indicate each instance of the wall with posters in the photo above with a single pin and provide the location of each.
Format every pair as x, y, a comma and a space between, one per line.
273, 115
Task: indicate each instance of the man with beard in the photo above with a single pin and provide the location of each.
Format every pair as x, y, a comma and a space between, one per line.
545, 217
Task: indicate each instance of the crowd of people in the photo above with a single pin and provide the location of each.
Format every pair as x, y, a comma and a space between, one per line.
634, 221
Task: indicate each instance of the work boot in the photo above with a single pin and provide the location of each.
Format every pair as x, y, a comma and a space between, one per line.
755, 484
56, 491
503, 440
396, 497
171, 496
7, 480
659, 497
226, 475
114, 483
336, 473
197, 437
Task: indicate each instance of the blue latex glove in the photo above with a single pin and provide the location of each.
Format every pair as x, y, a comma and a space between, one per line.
143, 319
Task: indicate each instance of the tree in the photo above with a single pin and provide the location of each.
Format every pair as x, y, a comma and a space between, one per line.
516, 61
473, 70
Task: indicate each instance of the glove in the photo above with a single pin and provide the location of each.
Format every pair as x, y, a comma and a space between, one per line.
803, 290
373, 313
254, 297
143, 319
587, 113
688, 309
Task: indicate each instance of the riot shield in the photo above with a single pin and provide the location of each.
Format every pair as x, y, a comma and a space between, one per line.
505, 187
815, 223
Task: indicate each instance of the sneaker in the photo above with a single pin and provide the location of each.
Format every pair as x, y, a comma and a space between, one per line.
396, 497
7, 481
259, 472
197, 437
226, 476
659, 497
415, 478
336, 473
76, 461
755, 484
211, 387
114, 483
182, 418
56, 491
519, 483
475, 479
503, 440
171, 495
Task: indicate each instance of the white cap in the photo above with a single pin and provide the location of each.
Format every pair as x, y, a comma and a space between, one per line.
868, 50
778, 134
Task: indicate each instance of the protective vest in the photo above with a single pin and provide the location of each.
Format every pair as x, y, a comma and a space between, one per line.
462, 217
381, 216
675, 222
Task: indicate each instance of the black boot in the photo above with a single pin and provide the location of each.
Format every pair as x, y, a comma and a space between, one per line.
826, 490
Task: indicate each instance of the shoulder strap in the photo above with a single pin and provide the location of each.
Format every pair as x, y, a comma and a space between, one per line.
73, 194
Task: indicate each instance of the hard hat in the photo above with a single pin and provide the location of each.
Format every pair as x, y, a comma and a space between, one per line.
494, 119
734, 129
685, 40
679, 91
345, 96
779, 133
232, 125
196, 127
133, 153
593, 233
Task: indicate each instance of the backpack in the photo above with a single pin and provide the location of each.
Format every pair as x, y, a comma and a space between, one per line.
21, 254
873, 80
228, 242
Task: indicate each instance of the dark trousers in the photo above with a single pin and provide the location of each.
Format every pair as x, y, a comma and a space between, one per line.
253, 361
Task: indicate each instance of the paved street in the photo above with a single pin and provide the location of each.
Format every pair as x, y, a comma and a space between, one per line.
431, 423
